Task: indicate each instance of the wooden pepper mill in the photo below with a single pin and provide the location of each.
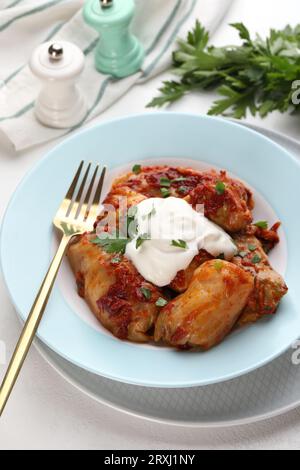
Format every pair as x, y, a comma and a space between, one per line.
118, 53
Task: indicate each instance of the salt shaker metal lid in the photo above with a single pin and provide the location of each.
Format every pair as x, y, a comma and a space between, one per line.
57, 60
58, 65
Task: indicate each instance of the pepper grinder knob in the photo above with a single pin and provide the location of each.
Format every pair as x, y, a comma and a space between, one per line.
118, 53
60, 103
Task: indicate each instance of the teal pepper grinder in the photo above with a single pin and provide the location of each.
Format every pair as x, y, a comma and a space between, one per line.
118, 53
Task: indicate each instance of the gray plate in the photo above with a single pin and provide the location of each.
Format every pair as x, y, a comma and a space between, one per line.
267, 392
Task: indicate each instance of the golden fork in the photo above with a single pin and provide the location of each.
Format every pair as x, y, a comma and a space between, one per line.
76, 215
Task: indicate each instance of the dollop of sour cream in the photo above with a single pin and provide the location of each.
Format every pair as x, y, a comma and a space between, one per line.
169, 234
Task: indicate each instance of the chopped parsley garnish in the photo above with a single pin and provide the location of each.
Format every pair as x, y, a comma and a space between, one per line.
179, 244
262, 224
146, 292
178, 180
112, 245
165, 192
256, 259
220, 188
252, 247
183, 189
141, 240
136, 169
218, 265
161, 302
165, 182
116, 260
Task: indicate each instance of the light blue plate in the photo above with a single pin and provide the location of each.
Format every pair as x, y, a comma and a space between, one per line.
27, 237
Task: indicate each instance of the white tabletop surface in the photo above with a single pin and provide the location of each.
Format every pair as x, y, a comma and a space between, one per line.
45, 412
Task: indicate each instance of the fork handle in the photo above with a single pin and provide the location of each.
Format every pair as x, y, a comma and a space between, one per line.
32, 324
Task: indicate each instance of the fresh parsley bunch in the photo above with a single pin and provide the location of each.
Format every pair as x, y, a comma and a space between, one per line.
256, 76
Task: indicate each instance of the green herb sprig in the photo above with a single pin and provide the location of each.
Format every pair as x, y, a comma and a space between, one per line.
220, 188
137, 169
166, 183
256, 76
146, 292
112, 245
263, 224
256, 259
141, 240
180, 244
161, 302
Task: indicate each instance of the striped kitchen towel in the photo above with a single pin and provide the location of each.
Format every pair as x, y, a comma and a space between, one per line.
26, 23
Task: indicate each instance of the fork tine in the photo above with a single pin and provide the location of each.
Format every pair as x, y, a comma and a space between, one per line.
72, 188
92, 212
85, 207
75, 206
98, 193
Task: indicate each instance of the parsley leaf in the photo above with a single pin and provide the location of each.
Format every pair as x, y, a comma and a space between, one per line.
165, 192
146, 292
179, 244
179, 180
171, 92
262, 224
183, 189
141, 240
165, 182
244, 33
112, 245
252, 247
161, 302
136, 169
256, 259
220, 188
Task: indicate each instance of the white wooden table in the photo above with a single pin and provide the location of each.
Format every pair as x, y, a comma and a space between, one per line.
45, 412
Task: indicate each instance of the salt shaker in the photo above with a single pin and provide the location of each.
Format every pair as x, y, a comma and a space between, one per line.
60, 103
118, 53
